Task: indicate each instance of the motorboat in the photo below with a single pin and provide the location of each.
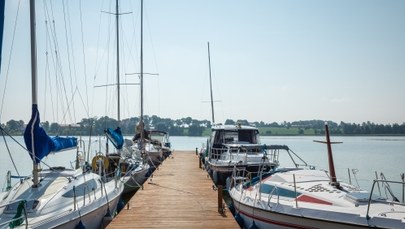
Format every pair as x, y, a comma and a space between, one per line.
295, 197
235, 145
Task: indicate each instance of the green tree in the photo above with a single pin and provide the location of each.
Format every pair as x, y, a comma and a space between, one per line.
195, 130
15, 127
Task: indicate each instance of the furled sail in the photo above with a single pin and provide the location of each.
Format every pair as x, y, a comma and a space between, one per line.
43, 144
115, 136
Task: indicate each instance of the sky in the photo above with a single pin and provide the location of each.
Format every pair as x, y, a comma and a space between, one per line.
271, 61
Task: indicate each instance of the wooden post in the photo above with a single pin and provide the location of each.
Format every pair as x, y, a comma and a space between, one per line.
220, 206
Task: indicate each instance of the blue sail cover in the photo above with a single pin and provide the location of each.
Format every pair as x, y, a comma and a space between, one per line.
115, 136
43, 144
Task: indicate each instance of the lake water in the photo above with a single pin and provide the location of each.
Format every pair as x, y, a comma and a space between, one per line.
366, 155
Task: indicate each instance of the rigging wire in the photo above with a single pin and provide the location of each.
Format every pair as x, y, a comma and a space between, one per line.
9, 59
66, 21
8, 149
69, 51
84, 59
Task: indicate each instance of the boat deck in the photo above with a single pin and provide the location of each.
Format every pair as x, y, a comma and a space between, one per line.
179, 195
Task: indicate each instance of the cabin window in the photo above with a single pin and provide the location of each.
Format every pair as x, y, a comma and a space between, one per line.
248, 136
267, 189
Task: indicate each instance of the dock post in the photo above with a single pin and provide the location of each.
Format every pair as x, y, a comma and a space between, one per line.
220, 204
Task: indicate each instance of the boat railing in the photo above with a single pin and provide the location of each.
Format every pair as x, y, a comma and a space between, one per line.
19, 218
240, 175
275, 188
273, 153
234, 152
217, 152
394, 200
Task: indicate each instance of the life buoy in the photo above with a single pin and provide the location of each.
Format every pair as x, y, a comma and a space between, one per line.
94, 165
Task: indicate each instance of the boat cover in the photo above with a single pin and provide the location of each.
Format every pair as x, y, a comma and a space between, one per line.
43, 144
115, 136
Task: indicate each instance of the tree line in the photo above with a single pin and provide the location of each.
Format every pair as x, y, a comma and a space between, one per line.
192, 127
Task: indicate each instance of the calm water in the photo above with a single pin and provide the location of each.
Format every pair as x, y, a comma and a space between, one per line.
365, 154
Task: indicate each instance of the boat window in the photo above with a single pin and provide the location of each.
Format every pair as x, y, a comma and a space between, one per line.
82, 189
266, 188
29, 204
249, 136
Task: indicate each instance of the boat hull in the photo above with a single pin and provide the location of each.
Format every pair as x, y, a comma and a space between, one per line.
62, 201
271, 219
135, 180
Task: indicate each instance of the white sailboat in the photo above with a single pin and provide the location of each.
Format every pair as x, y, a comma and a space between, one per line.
311, 198
56, 197
134, 169
141, 141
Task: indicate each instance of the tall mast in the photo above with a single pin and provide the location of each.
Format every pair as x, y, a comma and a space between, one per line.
212, 98
118, 60
34, 84
141, 119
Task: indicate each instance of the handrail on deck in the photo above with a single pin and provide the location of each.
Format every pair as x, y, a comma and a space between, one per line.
372, 190
271, 196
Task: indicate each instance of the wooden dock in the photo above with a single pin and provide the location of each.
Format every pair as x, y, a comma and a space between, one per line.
180, 195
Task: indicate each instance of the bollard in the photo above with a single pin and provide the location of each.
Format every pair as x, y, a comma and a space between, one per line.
220, 205
196, 151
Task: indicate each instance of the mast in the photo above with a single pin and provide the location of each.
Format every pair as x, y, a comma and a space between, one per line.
118, 60
333, 179
330, 157
141, 76
212, 98
34, 84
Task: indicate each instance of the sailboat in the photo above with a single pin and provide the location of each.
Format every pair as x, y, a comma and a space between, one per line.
141, 140
134, 170
233, 145
55, 197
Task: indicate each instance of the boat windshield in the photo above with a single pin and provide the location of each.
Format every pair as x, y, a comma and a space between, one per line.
236, 136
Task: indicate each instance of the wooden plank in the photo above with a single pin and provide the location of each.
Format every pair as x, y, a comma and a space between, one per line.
179, 195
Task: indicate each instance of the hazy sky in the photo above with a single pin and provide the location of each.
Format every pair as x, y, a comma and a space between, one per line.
271, 61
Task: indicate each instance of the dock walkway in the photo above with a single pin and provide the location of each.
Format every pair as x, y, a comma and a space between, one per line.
179, 195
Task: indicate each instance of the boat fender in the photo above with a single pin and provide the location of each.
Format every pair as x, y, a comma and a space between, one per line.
106, 163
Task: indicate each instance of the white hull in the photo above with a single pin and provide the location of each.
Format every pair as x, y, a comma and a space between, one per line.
135, 180
52, 204
269, 219
295, 198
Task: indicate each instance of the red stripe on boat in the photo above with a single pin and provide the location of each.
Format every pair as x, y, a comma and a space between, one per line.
310, 199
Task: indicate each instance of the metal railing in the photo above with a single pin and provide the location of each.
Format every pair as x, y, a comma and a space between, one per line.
395, 201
